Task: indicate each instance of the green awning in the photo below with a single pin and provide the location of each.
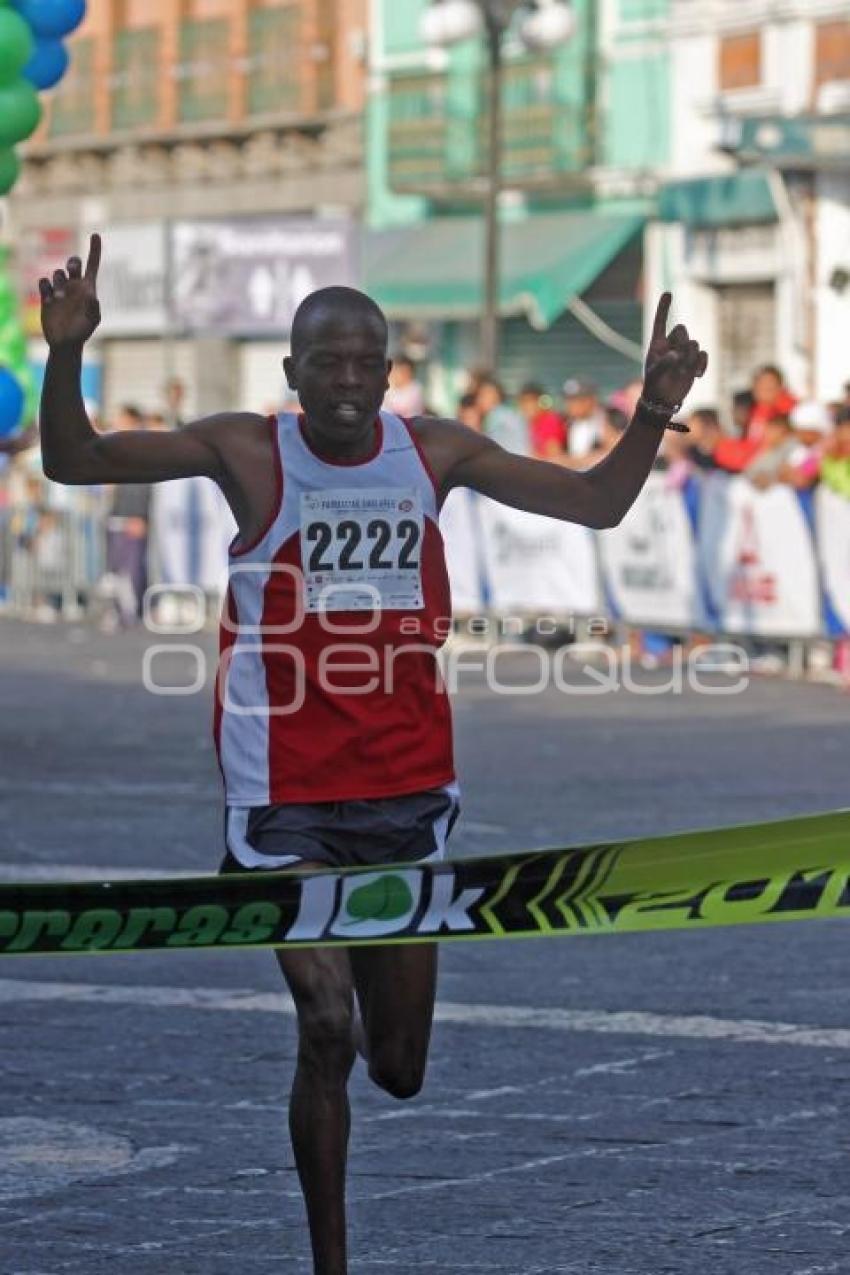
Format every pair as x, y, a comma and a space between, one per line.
434, 269
791, 141
729, 199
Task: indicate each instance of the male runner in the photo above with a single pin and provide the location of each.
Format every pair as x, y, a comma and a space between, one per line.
337, 750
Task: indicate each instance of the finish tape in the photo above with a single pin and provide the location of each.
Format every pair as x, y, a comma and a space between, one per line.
790, 870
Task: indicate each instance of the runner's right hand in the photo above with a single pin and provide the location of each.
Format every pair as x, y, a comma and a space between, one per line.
70, 310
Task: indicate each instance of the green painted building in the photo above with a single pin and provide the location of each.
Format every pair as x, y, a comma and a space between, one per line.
585, 133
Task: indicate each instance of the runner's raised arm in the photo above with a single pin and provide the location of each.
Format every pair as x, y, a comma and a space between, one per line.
598, 497
73, 452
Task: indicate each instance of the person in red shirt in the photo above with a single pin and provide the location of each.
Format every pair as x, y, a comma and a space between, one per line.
771, 399
547, 430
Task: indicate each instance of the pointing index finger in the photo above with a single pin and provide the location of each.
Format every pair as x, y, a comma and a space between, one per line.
93, 263
659, 326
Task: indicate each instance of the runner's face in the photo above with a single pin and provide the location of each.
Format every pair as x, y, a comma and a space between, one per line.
341, 376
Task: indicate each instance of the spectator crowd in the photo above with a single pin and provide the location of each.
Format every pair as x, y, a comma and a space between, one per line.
65, 547
769, 435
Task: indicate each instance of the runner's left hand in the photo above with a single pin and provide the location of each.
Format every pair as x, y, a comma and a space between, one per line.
672, 362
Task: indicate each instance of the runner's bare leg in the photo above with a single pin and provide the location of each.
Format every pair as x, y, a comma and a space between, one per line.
395, 990
396, 986
320, 981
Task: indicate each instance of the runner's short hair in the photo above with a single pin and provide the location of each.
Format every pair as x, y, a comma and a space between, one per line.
330, 301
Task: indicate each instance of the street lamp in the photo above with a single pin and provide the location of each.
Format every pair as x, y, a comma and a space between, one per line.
541, 25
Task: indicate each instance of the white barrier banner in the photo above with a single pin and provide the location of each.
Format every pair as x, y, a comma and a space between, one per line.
538, 565
758, 556
192, 528
832, 524
754, 550
649, 561
460, 524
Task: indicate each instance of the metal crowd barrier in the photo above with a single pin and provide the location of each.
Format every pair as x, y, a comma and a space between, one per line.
50, 559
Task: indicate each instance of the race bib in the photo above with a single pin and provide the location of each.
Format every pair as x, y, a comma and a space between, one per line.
362, 550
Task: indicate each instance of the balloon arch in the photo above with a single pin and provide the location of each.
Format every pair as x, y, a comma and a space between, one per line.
33, 58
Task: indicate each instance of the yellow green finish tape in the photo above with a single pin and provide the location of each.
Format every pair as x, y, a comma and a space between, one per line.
790, 870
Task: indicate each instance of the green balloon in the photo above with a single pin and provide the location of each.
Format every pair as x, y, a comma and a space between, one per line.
13, 353
9, 329
10, 168
13, 342
20, 111
16, 45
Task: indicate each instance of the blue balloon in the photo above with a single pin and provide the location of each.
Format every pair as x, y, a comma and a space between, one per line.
47, 65
51, 19
11, 402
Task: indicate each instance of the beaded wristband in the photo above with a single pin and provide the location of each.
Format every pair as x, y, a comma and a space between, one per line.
662, 413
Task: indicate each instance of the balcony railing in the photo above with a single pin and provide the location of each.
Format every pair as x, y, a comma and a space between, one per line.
438, 130
136, 78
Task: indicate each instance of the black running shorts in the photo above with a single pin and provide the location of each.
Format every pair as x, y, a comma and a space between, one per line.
341, 834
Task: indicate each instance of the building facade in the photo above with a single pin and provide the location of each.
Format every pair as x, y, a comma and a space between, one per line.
217, 146
585, 133
756, 229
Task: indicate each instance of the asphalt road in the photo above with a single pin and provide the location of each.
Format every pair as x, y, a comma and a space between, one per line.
142, 1123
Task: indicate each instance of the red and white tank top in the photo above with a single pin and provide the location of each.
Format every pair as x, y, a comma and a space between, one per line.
328, 686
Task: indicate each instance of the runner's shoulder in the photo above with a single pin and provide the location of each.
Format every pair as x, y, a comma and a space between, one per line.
446, 442
230, 433
446, 434
229, 425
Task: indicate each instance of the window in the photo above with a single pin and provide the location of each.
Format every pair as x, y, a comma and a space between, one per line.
832, 51
204, 68
740, 61
275, 59
72, 104
136, 77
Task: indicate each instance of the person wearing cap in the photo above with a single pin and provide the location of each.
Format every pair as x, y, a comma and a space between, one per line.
586, 420
812, 424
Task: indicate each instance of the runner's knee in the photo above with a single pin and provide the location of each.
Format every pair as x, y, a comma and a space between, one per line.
397, 1070
325, 1037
